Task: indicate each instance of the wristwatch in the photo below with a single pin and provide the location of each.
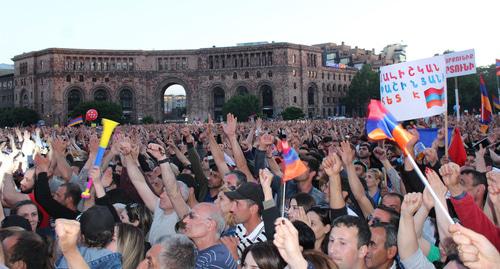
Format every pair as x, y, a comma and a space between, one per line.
166, 160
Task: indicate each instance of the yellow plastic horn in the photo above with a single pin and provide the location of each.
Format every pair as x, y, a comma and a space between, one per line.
108, 127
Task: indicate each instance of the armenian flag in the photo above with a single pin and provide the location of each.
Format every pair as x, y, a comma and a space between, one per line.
294, 167
75, 121
380, 125
434, 97
498, 67
496, 102
486, 114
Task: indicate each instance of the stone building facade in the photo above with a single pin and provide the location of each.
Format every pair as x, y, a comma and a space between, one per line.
7, 90
53, 81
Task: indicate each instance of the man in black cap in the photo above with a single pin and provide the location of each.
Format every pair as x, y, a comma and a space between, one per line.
97, 230
247, 210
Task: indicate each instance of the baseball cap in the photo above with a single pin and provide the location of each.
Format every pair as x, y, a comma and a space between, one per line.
248, 190
95, 221
16, 221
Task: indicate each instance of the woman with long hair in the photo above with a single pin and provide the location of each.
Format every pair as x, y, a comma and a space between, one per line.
128, 240
320, 224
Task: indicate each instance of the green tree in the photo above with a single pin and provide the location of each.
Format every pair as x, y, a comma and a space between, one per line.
242, 106
292, 113
18, 116
106, 110
365, 85
148, 120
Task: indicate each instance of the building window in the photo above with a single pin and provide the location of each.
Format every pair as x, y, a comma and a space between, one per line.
270, 74
106, 79
80, 78
210, 77
100, 95
126, 99
295, 85
247, 75
74, 98
68, 78
235, 75
345, 77
258, 74
94, 79
295, 98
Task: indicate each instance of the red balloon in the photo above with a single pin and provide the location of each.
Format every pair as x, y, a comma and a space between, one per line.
91, 115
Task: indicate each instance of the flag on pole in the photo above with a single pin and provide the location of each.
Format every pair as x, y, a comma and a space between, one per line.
486, 111
75, 121
498, 67
457, 150
380, 125
294, 167
496, 102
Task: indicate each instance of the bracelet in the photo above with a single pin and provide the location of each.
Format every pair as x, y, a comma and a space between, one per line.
166, 160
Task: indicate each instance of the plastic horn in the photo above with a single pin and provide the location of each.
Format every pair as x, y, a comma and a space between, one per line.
108, 127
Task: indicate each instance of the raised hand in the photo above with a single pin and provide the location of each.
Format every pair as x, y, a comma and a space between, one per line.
438, 187
474, 249
157, 151
41, 163
68, 233
332, 164
346, 153
451, 177
411, 204
230, 126
286, 239
494, 186
380, 153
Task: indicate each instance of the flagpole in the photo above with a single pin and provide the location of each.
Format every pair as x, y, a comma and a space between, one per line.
498, 94
437, 202
456, 100
283, 188
446, 133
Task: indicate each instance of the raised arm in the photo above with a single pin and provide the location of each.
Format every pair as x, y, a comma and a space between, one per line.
59, 146
10, 195
169, 180
216, 151
333, 165
136, 177
347, 154
241, 162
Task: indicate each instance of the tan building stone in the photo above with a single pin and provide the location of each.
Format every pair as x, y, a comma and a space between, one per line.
52, 81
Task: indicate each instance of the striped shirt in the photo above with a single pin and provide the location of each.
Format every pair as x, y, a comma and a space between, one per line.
215, 257
257, 235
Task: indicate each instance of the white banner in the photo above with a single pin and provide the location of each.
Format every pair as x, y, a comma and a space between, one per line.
460, 63
416, 89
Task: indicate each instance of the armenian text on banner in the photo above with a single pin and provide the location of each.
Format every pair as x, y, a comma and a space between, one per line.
416, 89
460, 63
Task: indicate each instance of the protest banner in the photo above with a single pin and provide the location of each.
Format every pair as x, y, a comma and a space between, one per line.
414, 89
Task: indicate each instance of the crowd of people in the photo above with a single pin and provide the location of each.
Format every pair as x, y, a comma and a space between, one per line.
211, 195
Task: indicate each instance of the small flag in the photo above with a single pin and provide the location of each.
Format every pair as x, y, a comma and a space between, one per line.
294, 167
496, 102
498, 67
75, 121
457, 150
434, 97
486, 110
380, 125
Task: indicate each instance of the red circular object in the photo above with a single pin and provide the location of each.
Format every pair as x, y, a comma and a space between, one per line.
91, 115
